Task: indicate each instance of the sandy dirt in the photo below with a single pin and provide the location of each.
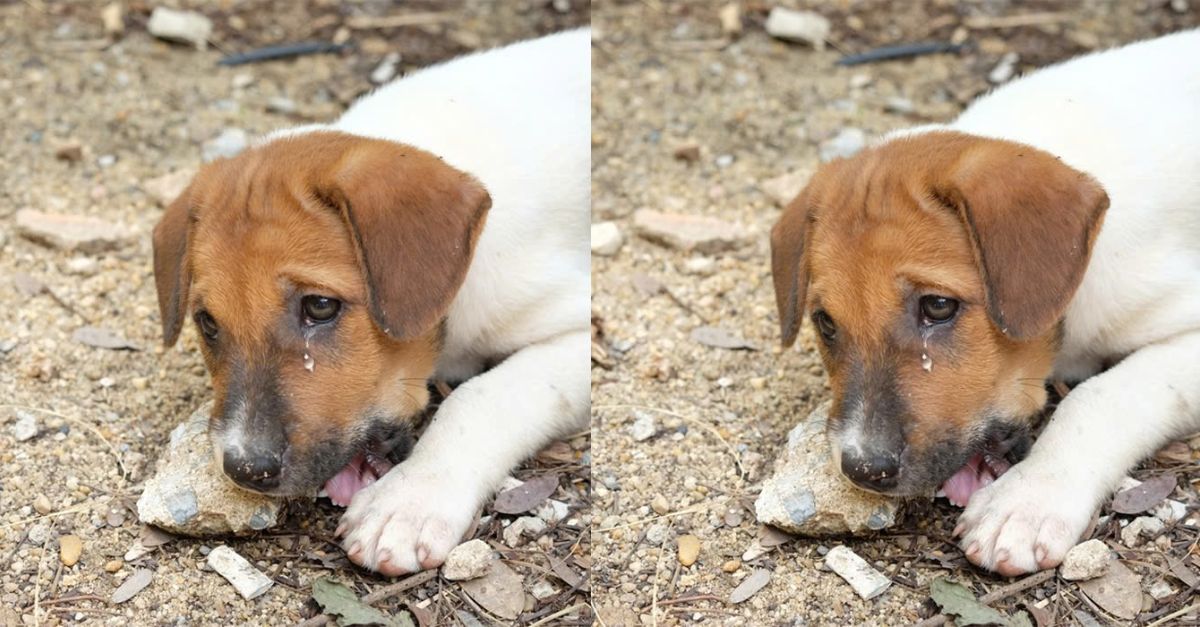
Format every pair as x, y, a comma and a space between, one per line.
754, 108
138, 108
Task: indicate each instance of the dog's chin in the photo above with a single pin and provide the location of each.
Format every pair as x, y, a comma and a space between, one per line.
981, 461
365, 462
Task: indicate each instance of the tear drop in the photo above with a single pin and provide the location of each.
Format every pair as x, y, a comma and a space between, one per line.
310, 364
926, 362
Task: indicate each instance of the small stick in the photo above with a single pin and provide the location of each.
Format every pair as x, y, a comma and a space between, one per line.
271, 53
1175, 614
562, 612
901, 51
998, 594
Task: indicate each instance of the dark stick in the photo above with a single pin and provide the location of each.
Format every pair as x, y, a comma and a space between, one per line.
284, 51
901, 51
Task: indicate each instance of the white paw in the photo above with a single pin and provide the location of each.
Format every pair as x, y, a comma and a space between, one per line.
1025, 521
407, 521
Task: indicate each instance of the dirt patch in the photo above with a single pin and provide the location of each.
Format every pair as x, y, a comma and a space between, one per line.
89, 119
688, 120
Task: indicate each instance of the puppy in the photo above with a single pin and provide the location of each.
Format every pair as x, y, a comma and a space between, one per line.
439, 229
1053, 230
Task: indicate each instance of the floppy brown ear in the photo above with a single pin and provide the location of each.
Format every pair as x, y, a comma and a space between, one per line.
789, 266
172, 270
1032, 221
414, 221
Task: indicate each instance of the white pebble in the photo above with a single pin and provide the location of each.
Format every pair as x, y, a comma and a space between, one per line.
867, 582
246, 579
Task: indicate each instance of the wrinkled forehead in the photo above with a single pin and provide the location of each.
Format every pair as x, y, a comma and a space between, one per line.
876, 235
255, 239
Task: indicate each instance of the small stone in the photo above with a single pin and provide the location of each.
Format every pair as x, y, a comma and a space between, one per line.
190, 495
606, 239
113, 18
687, 152
82, 266
1170, 511
25, 428
242, 80
808, 496
543, 590
724, 161
1005, 69
1161, 590
112, 566
134, 584
700, 234
660, 505
656, 534
42, 505
731, 18
1141, 527
166, 188
71, 153
69, 232
183, 26
106, 161
38, 534
386, 70
468, 560
899, 105
644, 426
552, 511
689, 549
845, 144
521, 528
867, 582
1086, 560
803, 26
784, 188
69, 549
750, 586
246, 579
229, 143
731, 566
281, 105
700, 266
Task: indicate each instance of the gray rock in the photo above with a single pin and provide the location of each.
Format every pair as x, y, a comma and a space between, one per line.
803, 26
26, 427
280, 104
246, 579
808, 496
900, 105
38, 534
189, 494
785, 187
644, 427
1141, 527
166, 188
468, 560
187, 27
81, 265
700, 266
845, 144
229, 143
700, 234
70, 232
606, 239
522, 528
1086, 560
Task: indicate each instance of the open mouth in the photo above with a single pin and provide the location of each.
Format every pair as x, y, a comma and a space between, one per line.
367, 466
998, 454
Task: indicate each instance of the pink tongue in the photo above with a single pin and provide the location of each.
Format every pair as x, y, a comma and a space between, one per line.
969, 479
358, 474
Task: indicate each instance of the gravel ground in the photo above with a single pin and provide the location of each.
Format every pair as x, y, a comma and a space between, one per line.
127, 109
687, 119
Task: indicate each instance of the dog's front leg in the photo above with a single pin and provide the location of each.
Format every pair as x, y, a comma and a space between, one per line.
1034, 513
414, 515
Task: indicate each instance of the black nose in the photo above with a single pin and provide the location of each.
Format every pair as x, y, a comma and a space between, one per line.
874, 471
251, 470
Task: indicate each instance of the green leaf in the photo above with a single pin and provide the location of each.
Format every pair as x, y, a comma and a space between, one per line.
954, 598
336, 599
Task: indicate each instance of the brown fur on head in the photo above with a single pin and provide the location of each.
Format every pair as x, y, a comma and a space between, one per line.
1004, 229
386, 229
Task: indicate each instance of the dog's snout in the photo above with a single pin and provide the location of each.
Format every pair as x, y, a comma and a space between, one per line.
253, 470
870, 469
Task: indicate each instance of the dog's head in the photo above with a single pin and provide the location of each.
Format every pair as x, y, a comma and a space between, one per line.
936, 270
318, 270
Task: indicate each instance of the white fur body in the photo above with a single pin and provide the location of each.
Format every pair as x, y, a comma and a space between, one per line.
1130, 117
517, 119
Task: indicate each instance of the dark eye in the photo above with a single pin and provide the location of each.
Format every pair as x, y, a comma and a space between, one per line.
318, 309
824, 324
208, 326
935, 309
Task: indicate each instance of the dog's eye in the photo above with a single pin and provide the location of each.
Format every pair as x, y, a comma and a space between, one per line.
935, 309
318, 309
208, 326
824, 324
